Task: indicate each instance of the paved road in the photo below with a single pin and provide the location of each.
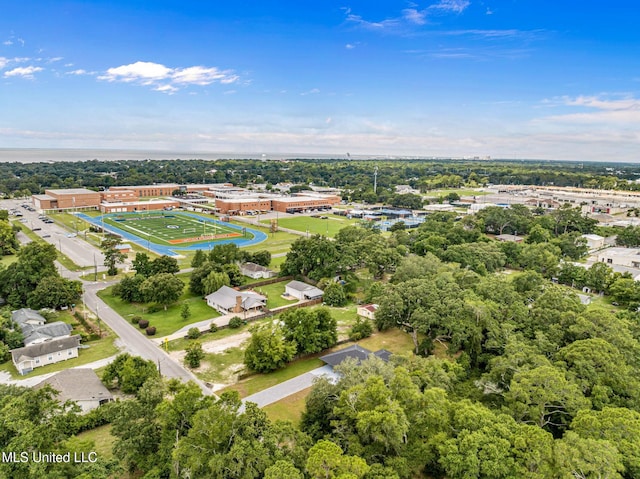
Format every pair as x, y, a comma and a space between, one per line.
292, 386
136, 343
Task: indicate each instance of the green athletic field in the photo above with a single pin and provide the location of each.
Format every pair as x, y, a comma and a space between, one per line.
171, 228
327, 227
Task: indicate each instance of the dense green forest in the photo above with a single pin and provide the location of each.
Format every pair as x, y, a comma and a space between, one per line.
354, 176
528, 382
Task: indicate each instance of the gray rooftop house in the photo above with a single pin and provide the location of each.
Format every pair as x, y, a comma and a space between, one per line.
80, 385
256, 271
35, 328
354, 351
30, 357
27, 316
228, 300
45, 332
302, 291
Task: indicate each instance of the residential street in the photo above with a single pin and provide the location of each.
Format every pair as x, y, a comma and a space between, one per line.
135, 342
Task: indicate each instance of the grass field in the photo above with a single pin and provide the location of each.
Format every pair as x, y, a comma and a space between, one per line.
173, 228
166, 322
102, 439
327, 227
289, 408
274, 292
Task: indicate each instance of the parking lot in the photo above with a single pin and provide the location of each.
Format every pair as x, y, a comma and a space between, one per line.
80, 252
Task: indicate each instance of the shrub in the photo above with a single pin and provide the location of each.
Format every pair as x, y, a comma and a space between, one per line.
194, 355
154, 308
361, 329
193, 333
143, 323
235, 322
213, 328
151, 330
136, 319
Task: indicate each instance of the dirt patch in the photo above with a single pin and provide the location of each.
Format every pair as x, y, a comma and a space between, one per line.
215, 346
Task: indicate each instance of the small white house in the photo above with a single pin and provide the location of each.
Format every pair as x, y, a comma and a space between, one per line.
228, 300
81, 386
594, 241
36, 355
367, 310
302, 291
256, 271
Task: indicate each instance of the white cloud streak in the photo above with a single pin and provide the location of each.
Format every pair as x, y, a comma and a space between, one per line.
23, 72
166, 79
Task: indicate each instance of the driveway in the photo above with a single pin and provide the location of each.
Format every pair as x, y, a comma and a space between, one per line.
292, 386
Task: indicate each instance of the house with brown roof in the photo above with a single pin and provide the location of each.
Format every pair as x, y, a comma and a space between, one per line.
367, 310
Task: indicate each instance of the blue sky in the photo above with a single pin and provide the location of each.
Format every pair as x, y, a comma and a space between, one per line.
505, 78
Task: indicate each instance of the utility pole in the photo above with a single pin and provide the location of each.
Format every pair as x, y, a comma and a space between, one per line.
375, 180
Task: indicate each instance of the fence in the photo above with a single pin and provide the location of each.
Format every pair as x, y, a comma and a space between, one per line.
265, 282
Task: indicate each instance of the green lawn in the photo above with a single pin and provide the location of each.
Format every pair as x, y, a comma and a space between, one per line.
8, 259
289, 408
278, 242
328, 227
166, 322
258, 382
102, 439
274, 292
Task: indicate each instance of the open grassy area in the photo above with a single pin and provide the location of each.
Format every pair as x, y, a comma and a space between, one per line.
327, 227
274, 292
394, 340
166, 322
278, 242
220, 367
258, 382
289, 408
102, 438
7, 260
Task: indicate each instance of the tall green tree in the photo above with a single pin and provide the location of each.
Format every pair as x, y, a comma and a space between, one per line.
163, 288
112, 256
268, 349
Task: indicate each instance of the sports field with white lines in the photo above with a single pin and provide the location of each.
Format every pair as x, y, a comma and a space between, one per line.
173, 228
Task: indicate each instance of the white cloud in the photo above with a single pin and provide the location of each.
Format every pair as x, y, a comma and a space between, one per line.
313, 91
200, 75
3, 62
455, 6
54, 59
24, 72
166, 89
349, 46
414, 16
619, 112
166, 79
7, 42
145, 72
79, 72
